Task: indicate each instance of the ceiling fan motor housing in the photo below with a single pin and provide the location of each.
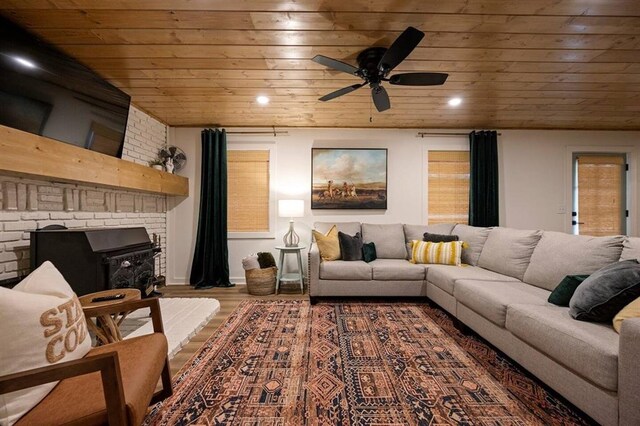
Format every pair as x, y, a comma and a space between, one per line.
368, 61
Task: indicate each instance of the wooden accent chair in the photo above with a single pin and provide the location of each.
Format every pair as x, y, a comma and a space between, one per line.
113, 384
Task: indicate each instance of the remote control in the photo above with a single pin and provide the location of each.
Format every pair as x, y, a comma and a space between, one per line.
107, 298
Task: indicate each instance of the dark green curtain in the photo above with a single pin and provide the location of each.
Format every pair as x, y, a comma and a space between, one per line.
483, 179
210, 267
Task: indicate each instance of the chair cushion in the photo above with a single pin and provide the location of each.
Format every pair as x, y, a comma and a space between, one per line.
588, 349
41, 323
475, 238
389, 239
558, 254
508, 251
492, 298
396, 270
444, 276
81, 398
343, 270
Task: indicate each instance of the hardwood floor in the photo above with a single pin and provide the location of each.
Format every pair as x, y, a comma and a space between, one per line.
229, 299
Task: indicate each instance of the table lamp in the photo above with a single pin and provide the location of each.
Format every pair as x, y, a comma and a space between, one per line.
291, 209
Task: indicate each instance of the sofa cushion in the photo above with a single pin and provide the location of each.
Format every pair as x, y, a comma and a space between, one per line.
396, 270
588, 349
632, 310
630, 248
558, 254
350, 246
416, 232
328, 244
475, 238
347, 227
508, 251
369, 252
492, 298
444, 276
563, 293
436, 253
342, 270
601, 296
389, 239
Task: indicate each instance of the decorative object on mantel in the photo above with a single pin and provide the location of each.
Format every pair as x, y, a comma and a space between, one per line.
291, 209
156, 164
173, 158
348, 178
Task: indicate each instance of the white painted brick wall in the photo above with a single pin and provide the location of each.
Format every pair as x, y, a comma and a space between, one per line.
27, 204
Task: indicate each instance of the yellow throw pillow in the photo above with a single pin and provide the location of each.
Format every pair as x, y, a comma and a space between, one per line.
632, 310
328, 244
441, 253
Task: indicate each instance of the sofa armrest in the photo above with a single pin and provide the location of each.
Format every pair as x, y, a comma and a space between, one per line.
313, 269
107, 364
629, 372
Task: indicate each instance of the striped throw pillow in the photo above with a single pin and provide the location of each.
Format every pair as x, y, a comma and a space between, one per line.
442, 253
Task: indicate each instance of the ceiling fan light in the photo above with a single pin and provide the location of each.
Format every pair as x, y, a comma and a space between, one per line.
454, 102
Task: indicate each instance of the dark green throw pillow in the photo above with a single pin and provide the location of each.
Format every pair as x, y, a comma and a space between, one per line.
564, 291
266, 260
601, 296
350, 247
369, 252
439, 238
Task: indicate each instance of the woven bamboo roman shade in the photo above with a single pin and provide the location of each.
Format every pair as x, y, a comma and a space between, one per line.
601, 194
448, 187
248, 190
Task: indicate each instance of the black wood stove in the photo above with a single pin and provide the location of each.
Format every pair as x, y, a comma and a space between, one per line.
98, 259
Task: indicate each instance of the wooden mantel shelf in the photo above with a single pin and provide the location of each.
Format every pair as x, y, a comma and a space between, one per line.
26, 154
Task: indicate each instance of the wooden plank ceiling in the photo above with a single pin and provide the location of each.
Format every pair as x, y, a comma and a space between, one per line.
546, 64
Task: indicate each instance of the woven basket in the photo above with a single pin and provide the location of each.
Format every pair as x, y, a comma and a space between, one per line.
261, 282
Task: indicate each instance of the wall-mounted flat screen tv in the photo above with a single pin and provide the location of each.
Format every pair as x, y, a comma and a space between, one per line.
46, 92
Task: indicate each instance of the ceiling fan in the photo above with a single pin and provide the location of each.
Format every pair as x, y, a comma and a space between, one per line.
375, 64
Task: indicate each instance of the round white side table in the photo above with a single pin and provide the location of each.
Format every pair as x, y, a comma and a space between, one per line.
291, 276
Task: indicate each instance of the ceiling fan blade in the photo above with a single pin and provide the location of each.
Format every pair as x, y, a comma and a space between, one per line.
335, 64
400, 49
341, 92
380, 98
419, 79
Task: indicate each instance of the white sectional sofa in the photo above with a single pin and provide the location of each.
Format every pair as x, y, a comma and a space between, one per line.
502, 294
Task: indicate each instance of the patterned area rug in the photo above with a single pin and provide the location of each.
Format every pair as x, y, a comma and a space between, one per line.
287, 363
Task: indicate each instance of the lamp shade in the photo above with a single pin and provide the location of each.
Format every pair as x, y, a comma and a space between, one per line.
291, 208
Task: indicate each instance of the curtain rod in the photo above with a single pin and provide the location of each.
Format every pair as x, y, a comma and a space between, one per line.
423, 134
273, 132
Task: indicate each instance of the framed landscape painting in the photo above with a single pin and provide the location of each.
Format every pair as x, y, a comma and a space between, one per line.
348, 178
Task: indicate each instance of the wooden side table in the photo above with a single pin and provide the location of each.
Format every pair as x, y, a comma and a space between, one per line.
292, 276
107, 327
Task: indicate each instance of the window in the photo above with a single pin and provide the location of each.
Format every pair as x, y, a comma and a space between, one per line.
248, 191
448, 187
599, 202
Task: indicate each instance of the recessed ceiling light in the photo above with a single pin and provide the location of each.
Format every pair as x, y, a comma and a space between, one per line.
262, 100
454, 102
24, 62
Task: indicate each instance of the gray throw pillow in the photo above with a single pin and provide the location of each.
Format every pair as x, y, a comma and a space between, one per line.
439, 238
350, 247
601, 296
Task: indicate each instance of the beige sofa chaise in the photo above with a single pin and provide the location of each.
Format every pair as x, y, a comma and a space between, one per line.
502, 295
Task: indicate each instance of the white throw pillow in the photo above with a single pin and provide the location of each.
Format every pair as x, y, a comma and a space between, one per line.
41, 323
